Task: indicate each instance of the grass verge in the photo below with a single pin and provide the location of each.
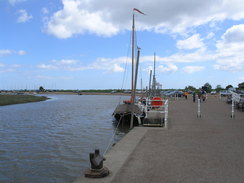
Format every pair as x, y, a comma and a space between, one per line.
20, 99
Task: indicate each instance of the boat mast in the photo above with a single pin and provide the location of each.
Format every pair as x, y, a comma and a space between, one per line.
133, 79
141, 86
134, 91
137, 66
154, 65
154, 77
132, 59
150, 80
132, 73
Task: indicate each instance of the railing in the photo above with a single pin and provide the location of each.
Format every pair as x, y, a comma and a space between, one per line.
236, 99
156, 110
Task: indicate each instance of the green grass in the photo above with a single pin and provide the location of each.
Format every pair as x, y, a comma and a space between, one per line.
19, 99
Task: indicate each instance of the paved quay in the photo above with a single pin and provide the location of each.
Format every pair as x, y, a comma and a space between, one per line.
191, 150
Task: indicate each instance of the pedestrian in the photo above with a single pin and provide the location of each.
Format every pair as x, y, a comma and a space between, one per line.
204, 95
194, 96
185, 94
203, 98
199, 95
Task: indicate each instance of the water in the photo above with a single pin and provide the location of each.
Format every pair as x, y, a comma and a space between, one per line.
50, 141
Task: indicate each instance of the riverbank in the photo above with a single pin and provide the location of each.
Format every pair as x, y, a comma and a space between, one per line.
206, 149
20, 99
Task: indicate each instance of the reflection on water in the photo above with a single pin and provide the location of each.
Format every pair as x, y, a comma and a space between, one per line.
50, 141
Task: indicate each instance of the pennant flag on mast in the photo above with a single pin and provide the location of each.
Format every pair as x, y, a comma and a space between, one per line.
138, 11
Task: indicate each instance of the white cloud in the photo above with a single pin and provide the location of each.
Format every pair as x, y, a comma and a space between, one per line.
116, 68
11, 52
5, 52
200, 55
44, 11
8, 68
60, 65
21, 52
190, 43
107, 64
104, 18
192, 69
73, 19
235, 34
24, 16
65, 62
47, 66
15, 66
210, 35
112, 65
13, 2
230, 48
168, 68
242, 78
54, 77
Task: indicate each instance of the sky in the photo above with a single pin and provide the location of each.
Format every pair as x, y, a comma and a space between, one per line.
86, 44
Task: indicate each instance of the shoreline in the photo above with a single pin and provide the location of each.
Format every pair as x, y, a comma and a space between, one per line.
84, 93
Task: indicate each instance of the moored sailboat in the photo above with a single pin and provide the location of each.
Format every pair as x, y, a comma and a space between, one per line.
130, 112
149, 111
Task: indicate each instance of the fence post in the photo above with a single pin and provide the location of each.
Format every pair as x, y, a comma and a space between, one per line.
198, 108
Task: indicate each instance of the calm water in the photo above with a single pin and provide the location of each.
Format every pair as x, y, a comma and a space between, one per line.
50, 141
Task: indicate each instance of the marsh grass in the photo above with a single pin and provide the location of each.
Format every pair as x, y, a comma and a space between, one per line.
19, 99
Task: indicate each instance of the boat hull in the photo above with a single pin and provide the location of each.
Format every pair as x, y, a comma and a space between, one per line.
123, 113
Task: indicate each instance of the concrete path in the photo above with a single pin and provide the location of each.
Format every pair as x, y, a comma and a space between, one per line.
192, 150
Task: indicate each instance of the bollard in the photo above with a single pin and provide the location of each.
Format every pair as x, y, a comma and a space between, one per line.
97, 170
166, 115
232, 109
166, 123
198, 108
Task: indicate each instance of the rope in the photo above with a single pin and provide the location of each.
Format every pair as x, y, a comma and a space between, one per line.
110, 142
125, 69
140, 69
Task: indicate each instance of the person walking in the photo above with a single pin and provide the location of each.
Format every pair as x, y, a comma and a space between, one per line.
194, 96
185, 94
203, 98
200, 95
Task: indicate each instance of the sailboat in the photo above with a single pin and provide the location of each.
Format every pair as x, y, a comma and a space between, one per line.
150, 111
130, 112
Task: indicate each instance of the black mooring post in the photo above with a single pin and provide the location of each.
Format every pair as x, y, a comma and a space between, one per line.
97, 170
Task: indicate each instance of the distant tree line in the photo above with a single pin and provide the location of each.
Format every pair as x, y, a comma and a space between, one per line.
208, 88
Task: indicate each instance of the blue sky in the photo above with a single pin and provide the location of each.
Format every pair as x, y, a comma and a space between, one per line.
85, 44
